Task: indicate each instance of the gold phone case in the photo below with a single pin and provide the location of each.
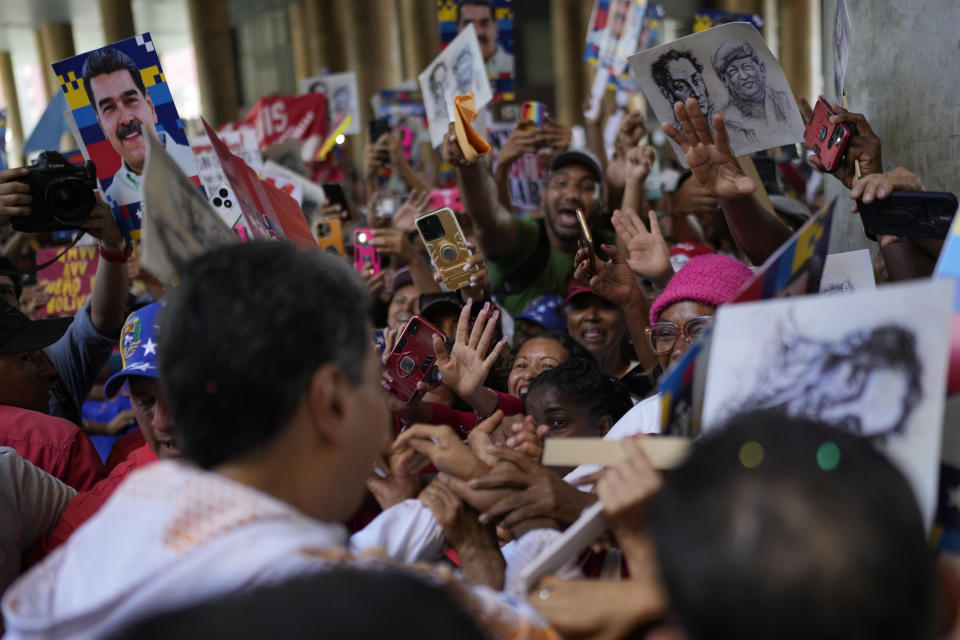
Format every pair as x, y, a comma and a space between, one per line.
586, 241
448, 252
329, 235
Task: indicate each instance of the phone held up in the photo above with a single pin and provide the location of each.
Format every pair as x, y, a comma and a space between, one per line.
329, 235
909, 214
447, 246
366, 259
828, 141
586, 242
335, 195
412, 359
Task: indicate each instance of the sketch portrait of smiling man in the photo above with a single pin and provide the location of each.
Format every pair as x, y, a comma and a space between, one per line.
752, 102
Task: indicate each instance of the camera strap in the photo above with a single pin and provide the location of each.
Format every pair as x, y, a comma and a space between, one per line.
34, 269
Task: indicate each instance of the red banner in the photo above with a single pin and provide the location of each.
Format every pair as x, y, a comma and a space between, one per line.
280, 118
69, 280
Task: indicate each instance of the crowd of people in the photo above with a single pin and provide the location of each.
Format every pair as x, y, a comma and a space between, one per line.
261, 479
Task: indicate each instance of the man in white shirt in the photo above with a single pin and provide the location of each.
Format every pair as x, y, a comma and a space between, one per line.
279, 410
125, 112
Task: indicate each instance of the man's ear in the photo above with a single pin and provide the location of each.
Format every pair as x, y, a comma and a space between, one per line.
327, 398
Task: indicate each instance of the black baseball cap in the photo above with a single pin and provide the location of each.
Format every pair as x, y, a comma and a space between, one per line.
578, 156
20, 334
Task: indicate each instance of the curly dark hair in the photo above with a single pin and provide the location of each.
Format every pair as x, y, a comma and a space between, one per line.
583, 382
659, 67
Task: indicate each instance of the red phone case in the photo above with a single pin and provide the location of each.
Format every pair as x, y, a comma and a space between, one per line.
412, 358
365, 256
828, 141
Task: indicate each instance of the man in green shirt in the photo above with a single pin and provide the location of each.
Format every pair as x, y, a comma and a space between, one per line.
529, 257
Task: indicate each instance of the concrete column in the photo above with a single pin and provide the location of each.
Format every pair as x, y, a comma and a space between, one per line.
568, 73
14, 124
421, 41
741, 6
800, 46
216, 62
54, 43
300, 40
117, 19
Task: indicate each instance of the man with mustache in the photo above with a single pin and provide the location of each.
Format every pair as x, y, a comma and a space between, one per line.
125, 113
480, 14
752, 103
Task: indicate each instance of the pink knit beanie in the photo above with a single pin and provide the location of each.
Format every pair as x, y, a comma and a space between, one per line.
711, 279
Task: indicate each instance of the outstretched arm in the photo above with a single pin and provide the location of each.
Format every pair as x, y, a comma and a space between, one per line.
756, 231
496, 229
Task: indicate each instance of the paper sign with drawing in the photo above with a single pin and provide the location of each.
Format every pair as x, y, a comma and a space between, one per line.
728, 70
456, 71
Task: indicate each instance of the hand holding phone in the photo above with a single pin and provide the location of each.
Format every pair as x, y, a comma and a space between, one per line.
447, 247
828, 141
366, 259
585, 242
412, 359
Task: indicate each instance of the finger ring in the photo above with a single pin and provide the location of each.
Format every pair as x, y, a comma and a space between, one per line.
544, 593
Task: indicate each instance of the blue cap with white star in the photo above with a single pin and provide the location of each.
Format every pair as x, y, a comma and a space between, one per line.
138, 348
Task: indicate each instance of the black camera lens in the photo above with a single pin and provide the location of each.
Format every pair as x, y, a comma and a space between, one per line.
407, 364
414, 327
430, 228
223, 193
823, 133
449, 252
69, 200
323, 229
217, 202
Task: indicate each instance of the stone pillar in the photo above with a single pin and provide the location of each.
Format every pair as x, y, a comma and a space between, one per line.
300, 40
741, 6
54, 43
568, 69
14, 124
800, 46
117, 19
421, 36
216, 62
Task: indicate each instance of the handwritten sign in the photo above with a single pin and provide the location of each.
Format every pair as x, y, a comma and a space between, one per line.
69, 280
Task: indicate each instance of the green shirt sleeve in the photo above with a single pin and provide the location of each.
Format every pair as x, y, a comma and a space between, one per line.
509, 263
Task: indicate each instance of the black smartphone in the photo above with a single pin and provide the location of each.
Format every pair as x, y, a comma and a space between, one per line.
909, 214
378, 127
335, 195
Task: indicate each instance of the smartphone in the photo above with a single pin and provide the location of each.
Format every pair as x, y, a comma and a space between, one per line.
909, 214
412, 359
366, 260
447, 246
378, 127
335, 195
329, 235
828, 141
533, 111
586, 241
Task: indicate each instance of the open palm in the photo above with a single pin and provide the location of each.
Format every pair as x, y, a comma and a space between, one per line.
711, 161
647, 252
465, 368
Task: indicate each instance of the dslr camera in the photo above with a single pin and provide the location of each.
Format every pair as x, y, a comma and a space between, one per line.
63, 194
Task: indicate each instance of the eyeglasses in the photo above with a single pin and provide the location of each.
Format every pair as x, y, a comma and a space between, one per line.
663, 335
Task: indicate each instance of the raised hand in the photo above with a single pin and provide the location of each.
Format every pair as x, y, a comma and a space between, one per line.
523, 139
15, 198
612, 280
632, 129
864, 146
639, 161
443, 448
711, 161
556, 135
415, 206
626, 489
878, 186
465, 368
450, 149
647, 252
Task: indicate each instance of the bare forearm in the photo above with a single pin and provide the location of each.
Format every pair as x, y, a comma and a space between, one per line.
503, 187
756, 231
907, 261
411, 177
637, 314
633, 193
109, 299
482, 563
484, 401
422, 276
495, 227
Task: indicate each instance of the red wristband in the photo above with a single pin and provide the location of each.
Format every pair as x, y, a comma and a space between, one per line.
114, 256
